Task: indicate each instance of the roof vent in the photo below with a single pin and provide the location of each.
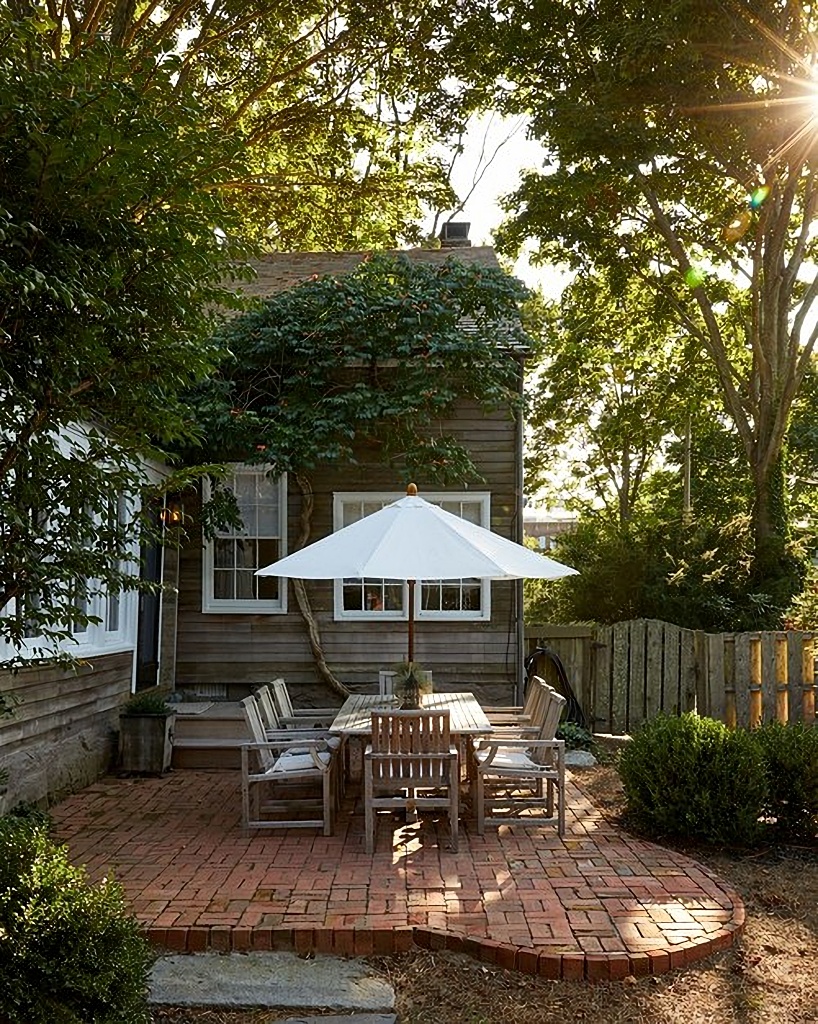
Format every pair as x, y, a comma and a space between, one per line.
454, 234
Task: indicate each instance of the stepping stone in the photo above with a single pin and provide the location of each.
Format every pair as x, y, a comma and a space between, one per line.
269, 979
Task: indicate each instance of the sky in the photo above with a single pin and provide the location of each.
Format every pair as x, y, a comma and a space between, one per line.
496, 150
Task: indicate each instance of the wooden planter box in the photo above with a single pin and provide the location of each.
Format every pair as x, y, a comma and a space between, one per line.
146, 742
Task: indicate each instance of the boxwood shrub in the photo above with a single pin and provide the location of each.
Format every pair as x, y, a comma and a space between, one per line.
70, 952
790, 755
693, 777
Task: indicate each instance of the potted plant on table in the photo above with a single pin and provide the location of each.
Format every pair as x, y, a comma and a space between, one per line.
146, 733
411, 683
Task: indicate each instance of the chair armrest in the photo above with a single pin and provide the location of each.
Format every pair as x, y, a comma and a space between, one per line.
518, 744
512, 731
305, 721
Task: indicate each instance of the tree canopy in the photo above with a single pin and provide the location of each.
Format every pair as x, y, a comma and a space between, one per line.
340, 104
117, 248
683, 144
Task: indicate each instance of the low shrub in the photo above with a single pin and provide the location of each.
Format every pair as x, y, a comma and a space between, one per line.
693, 777
576, 737
790, 755
70, 952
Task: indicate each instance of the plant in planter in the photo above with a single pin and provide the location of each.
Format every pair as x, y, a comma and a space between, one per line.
411, 682
146, 733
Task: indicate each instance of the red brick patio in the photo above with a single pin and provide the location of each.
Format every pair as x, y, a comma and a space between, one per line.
598, 904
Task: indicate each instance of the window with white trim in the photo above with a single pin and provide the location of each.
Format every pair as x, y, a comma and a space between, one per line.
465, 599
233, 555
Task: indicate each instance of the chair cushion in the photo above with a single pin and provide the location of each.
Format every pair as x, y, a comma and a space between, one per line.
292, 761
507, 759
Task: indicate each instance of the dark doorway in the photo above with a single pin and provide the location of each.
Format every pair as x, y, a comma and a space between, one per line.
147, 639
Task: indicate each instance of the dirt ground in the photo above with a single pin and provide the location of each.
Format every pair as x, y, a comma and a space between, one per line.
770, 978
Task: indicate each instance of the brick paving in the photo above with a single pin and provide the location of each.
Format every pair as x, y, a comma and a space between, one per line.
596, 904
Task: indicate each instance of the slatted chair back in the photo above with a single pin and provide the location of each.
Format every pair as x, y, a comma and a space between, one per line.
552, 709
281, 696
386, 680
252, 716
412, 747
269, 715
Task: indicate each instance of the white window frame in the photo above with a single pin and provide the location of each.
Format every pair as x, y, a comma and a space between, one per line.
483, 498
93, 639
212, 605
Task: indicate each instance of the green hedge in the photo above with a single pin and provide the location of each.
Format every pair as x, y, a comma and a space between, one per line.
693, 777
791, 757
70, 952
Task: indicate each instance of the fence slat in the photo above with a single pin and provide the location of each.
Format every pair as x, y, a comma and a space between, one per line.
808, 681
654, 660
712, 697
796, 646
686, 699
601, 661
669, 693
742, 679
637, 705
769, 686
619, 677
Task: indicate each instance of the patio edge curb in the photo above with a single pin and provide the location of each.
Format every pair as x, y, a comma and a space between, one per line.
563, 965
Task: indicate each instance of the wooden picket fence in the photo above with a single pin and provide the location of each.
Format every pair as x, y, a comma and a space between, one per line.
625, 674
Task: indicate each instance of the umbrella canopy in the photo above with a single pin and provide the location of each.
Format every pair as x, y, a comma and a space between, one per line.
412, 539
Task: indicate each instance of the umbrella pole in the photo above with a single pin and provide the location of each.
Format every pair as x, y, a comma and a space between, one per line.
411, 655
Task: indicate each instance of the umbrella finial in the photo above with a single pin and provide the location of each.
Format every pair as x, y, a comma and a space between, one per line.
412, 490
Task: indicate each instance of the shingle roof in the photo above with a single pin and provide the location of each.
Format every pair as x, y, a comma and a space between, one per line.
276, 272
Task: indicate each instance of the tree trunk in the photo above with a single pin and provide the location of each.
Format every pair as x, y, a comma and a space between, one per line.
302, 597
776, 570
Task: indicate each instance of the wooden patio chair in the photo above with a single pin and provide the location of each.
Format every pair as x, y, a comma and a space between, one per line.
521, 715
287, 761
514, 774
411, 752
386, 680
300, 718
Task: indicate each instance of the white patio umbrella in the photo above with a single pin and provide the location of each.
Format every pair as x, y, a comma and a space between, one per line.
412, 540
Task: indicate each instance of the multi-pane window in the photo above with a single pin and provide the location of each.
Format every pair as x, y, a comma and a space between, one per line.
434, 599
234, 554
117, 521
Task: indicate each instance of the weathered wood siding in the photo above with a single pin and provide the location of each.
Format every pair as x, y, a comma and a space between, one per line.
242, 650
63, 732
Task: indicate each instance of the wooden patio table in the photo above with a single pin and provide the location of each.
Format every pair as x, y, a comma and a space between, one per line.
467, 718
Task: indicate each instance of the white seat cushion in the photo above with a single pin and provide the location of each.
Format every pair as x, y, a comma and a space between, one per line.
507, 759
292, 761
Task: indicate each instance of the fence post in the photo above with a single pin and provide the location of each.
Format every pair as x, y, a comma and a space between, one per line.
808, 681
781, 678
729, 682
755, 682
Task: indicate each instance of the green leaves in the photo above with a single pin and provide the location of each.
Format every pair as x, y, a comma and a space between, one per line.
111, 269
377, 357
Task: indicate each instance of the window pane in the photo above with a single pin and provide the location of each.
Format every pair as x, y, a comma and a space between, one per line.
430, 597
245, 585
246, 554
269, 551
267, 521
450, 598
223, 552
353, 596
472, 596
223, 585
393, 597
268, 587
470, 510
112, 613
